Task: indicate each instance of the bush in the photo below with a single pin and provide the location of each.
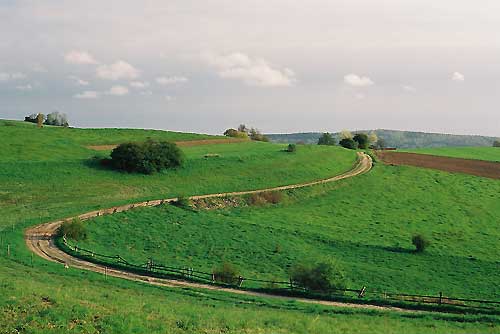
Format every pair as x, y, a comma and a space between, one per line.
273, 197
226, 273
349, 143
73, 229
257, 135
291, 148
149, 157
183, 202
326, 139
496, 143
362, 140
420, 243
323, 276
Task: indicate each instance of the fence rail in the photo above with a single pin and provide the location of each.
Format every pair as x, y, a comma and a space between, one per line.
153, 268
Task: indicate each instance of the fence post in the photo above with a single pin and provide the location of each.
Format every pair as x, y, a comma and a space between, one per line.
291, 284
440, 297
8, 249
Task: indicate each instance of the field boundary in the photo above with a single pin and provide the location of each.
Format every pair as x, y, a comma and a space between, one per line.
180, 143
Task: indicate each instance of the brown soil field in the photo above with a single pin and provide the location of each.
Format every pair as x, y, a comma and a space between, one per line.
184, 143
455, 165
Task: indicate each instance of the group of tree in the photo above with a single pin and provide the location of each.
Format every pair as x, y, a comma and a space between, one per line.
244, 132
54, 118
147, 157
350, 141
496, 143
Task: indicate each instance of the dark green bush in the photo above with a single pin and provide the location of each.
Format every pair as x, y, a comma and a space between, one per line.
183, 202
226, 273
323, 276
73, 229
420, 243
362, 140
148, 157
496, 143
349, 143
291, 148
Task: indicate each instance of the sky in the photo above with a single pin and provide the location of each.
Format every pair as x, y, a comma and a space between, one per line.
280, 66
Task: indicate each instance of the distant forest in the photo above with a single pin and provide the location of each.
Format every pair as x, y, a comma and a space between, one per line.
394, 138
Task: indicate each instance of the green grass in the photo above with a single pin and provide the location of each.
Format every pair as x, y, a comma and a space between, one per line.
359, 222
477, 153
47, 174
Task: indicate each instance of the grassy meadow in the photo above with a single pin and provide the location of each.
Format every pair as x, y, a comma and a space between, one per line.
358, 221
49, 173
476, 153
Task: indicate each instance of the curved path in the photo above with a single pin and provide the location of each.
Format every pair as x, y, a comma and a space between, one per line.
40, 240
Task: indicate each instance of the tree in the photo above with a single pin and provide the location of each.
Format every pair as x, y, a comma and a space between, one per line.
242, 128
56, 118
372, 138
349, 143
362, 140
291, 148
326, 139
496, 143
257, 135
149, 157
73, 229
322, 276
33, 118
39, 120
381, 144
345, 134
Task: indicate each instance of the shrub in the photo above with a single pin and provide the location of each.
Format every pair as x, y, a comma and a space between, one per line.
323, 276
349, 143
420, 243
256, 199
33, 118
273, 197
226, 273
183, 202
73, 229
496, 143
291, 148
362, 140
326, 139
149, 157
257, 135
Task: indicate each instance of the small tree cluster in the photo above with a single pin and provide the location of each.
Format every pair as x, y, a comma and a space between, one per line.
323, 276
226, 273
235, 133
55, 118
273, 197
148, 157
420, 243
326, 139
496, 143
348, 143
73, 229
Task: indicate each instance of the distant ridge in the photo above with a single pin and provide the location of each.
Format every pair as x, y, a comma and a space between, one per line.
396, 138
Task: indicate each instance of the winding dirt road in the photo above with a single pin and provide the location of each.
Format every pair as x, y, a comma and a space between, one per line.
40, 240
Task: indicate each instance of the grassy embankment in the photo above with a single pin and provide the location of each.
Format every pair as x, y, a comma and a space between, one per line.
477, 153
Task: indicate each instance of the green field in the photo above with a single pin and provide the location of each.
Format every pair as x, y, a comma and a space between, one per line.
358, 222
48, 174
477, 153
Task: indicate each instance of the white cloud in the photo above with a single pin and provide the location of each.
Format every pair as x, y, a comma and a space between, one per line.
118, 91
357, 81
169, 98
251, 71
360, 96
80, 58
139, 84
4, 76
79, 81
409, 89
27, 87
39, 68
171, 80
457, 76
88, 94
147, 93
118, 70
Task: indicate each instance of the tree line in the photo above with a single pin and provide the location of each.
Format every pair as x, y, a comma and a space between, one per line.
350, 141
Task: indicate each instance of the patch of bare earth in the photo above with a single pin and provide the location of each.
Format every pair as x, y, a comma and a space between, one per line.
455, 165
182, 143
